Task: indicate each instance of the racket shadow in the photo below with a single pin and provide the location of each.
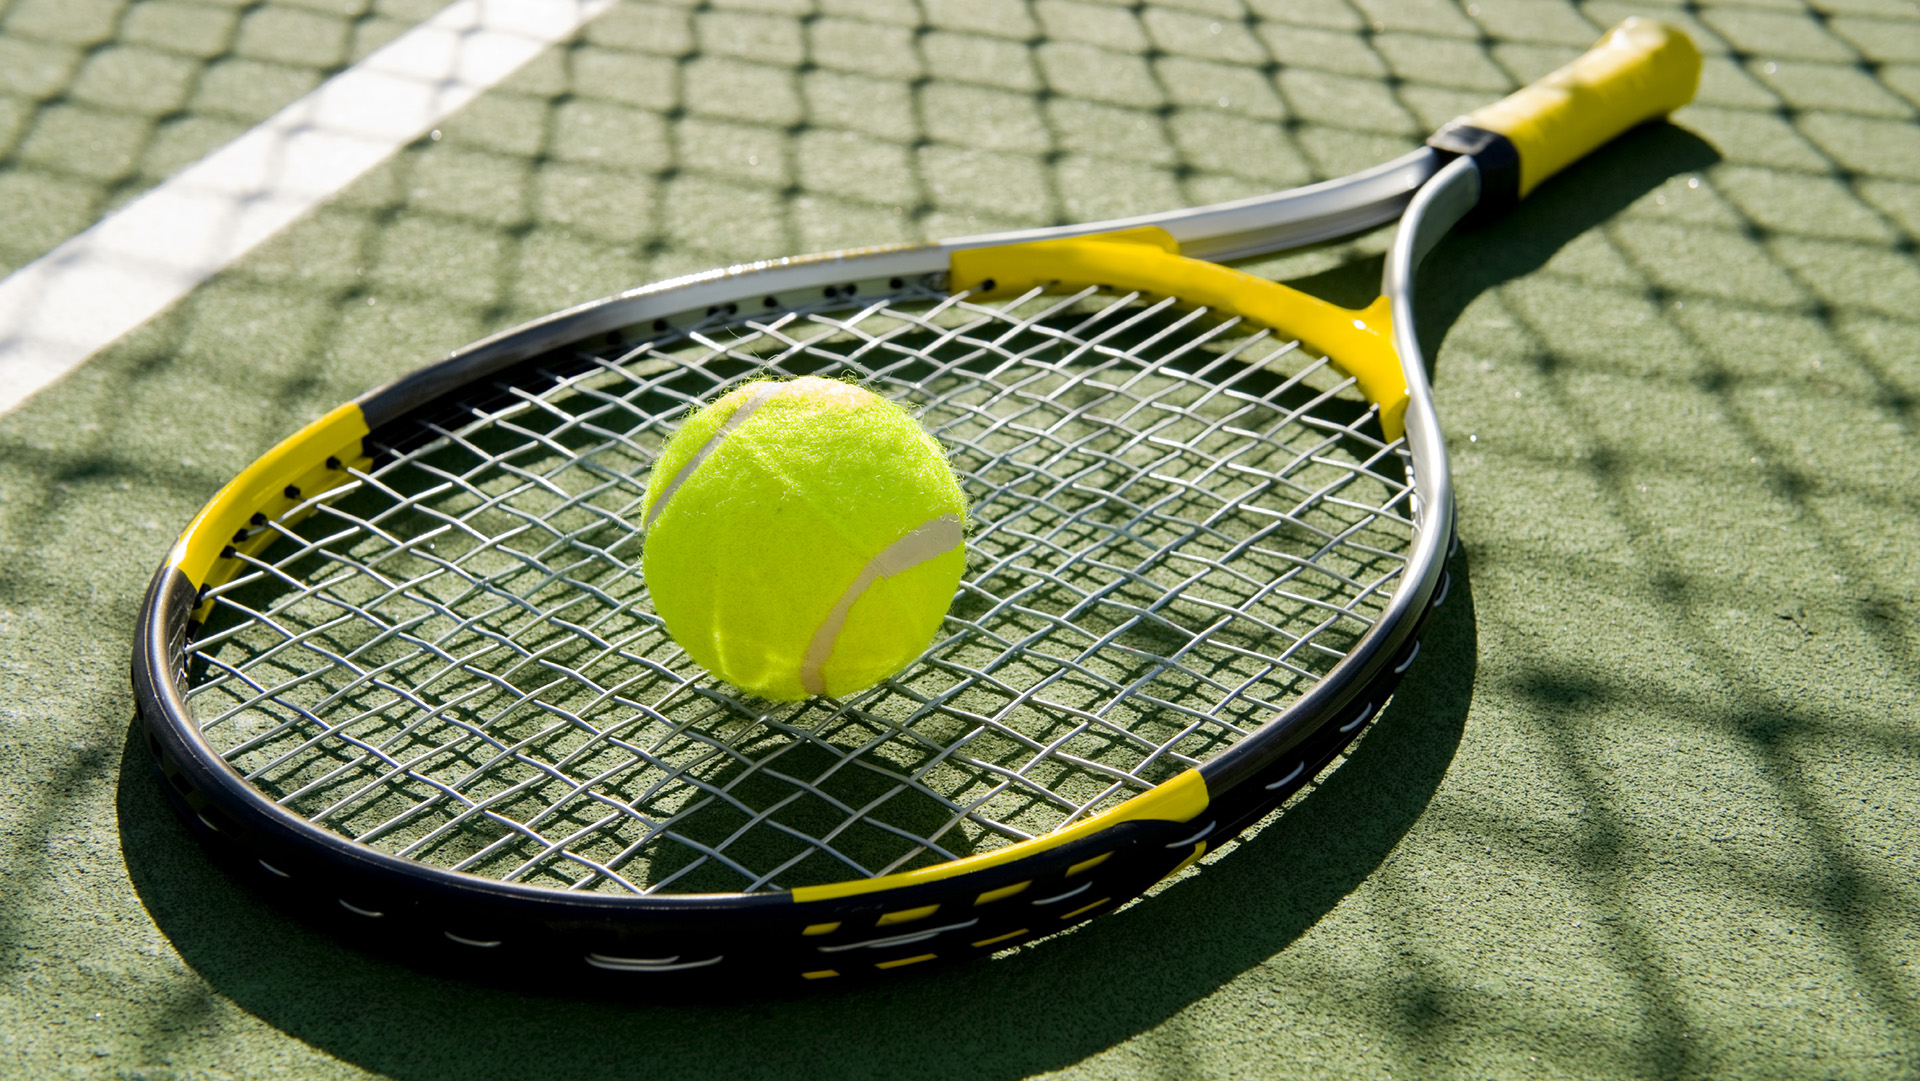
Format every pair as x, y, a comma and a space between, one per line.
1473, 260
1567, 205
1040, 1008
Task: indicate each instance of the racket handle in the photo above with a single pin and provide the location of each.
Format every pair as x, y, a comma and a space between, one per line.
1642, 70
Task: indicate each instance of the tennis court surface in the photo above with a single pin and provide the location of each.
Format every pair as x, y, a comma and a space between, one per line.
1645, 808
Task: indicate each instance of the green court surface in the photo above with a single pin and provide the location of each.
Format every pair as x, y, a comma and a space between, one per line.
1645, 808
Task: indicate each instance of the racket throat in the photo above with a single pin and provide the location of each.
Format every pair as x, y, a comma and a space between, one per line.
1147, 260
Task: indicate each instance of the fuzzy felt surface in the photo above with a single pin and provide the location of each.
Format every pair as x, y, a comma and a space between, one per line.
757, 541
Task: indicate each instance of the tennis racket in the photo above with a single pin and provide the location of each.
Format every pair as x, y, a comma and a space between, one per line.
405, 670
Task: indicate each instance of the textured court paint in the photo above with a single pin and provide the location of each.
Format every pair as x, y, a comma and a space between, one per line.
60, 310
1650, 814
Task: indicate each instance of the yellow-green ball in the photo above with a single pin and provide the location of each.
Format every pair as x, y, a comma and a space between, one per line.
803, 537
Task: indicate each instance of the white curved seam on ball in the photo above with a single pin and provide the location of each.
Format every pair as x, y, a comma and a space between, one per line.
927, 541
755, 400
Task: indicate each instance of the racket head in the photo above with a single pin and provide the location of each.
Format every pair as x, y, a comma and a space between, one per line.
1216, 693
404, 667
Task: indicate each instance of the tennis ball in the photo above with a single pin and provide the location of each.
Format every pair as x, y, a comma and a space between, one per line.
802, 537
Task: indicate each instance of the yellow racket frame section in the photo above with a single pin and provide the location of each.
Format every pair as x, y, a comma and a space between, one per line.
1359, 342
313, 460
1181, 799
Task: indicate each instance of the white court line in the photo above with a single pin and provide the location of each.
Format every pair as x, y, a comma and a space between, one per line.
65, 306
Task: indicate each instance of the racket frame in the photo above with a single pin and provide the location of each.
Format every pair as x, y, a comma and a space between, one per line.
485, 926
1639, 71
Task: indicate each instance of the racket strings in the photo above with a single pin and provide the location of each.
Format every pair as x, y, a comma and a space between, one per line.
453, 658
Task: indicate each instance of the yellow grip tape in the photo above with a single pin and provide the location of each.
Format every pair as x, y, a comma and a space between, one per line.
1641, 70
1147, 260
